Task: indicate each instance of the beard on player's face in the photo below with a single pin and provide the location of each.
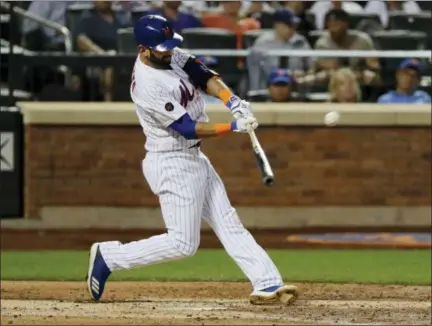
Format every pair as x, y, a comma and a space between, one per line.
160, 59
164, 57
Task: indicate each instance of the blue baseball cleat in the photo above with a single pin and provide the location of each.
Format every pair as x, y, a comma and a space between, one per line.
285, 294
98, 273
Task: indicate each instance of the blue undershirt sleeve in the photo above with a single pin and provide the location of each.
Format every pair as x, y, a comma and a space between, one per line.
185, 126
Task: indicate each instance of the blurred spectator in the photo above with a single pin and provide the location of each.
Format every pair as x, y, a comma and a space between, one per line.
212, 63
283, 36
259, 10
127, 5
195, 6
124, 9
299, 9
407, 80
37, 37
231, 19
321, 8
251, 8
180, 20
383, 8
344, 87
97, 33
41, 38
247, 8
187, 6
97, 30
339, 37
279, 85
58, 92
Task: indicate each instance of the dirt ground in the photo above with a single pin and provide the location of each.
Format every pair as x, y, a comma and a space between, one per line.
168, 303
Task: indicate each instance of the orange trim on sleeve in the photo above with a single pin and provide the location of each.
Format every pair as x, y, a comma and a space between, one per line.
222, 128
225, 95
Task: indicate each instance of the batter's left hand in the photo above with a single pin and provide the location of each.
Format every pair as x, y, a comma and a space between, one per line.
245, 124
238, 107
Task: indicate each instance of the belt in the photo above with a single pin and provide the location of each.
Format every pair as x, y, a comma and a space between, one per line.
197, 145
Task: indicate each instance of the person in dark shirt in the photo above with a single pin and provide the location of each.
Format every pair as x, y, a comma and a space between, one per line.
97, 33
180, 20
299, 8
97, 30
280, 85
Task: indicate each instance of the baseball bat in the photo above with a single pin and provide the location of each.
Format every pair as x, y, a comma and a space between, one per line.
262, 161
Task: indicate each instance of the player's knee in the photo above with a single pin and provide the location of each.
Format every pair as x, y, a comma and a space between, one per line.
188, 251
186, 248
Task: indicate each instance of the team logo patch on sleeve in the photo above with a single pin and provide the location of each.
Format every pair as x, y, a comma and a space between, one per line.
169, 107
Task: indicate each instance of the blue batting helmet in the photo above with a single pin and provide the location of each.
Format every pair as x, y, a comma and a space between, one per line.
155, 32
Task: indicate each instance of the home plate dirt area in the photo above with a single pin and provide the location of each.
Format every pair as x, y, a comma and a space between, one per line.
207, 303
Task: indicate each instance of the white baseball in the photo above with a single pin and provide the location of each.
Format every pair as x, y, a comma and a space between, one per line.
331, 118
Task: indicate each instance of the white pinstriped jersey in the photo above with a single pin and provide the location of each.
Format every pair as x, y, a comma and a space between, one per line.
188, 187
161, 97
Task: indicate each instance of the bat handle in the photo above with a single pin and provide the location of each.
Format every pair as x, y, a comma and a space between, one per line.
253, 138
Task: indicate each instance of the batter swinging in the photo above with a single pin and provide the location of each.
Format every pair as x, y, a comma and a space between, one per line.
165, 89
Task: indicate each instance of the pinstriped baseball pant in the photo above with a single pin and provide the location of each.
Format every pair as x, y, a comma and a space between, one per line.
189, 189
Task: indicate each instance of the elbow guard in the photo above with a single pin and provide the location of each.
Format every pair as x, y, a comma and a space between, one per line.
198, 73
185, 126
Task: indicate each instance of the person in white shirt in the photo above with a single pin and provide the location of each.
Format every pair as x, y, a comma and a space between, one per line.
320, 9
383, 8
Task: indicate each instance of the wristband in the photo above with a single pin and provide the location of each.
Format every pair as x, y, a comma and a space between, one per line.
225, 128
225, 95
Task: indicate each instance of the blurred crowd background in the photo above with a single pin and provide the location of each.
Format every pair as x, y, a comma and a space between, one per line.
103, 28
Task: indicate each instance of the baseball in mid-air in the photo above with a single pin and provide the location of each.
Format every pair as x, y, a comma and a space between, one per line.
331, 118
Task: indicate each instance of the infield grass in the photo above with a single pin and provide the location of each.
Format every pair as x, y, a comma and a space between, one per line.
334, 266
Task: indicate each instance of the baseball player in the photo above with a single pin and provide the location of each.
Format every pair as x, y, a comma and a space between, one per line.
166, 88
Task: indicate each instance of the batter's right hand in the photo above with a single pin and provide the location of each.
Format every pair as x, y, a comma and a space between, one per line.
245, 124
239, 107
